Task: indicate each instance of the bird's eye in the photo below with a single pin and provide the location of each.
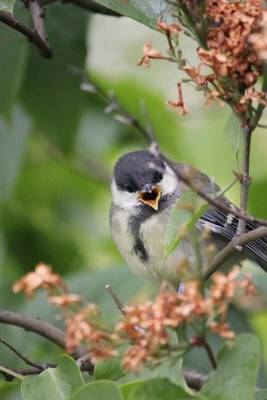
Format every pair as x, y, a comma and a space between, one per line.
130, 189
157, 177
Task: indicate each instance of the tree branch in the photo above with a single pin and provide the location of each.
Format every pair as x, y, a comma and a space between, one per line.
38, 326
245, 181
32, 35
232, 246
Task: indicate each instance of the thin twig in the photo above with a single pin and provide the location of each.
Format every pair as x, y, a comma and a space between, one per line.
222, 193
33, 36
209, 352
116, 299
21, 356
112, 105
10, 372
232, 246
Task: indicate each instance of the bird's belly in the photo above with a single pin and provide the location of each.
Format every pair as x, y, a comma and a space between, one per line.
152, 233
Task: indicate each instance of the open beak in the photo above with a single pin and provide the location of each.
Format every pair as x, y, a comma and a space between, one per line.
150, 196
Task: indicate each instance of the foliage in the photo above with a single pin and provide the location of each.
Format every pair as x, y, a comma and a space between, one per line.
54, 190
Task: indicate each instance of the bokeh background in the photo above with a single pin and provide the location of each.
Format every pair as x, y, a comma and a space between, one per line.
57, 150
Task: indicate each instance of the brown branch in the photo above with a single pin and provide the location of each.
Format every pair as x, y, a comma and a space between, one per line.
38, 326
232, 246
32, 35
112, 105
245, 181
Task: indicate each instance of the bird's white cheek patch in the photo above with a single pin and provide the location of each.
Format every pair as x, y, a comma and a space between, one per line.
122, 198
169, 183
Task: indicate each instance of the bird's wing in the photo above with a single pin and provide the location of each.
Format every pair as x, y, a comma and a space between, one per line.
222, 223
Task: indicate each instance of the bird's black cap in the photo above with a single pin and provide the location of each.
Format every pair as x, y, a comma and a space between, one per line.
136, 169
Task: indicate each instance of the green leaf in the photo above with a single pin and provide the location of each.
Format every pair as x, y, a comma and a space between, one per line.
170, 369
156, 389
13, 140
103, 390
54, 383
52, 94
234, 132
13, 57
110, 370
7, 5
236, 375
146, 12
183, 219
261, 394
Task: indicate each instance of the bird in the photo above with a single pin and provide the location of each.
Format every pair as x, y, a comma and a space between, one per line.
145, 189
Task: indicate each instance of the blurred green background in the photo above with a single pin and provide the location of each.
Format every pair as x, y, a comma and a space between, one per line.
57, 150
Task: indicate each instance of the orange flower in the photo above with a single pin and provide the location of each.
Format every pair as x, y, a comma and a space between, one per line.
41, 277
222, 329
171, 29
64, 300
151, 54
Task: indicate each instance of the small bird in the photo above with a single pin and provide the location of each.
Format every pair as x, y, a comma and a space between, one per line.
145, 189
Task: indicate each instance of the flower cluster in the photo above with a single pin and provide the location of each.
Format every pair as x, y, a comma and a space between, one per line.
259, 39
42, 277
232, 43
83, 328
146, 326
229, 50
82, 322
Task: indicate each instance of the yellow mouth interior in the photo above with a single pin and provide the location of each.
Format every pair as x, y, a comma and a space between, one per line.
151, 198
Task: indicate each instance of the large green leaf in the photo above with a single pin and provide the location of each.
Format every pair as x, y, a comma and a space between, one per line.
13, 140
54, 383
13, 56
188, 209
156, 389
51, 92
147, 12
103, 390
236, 375
170, 369
109, 370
